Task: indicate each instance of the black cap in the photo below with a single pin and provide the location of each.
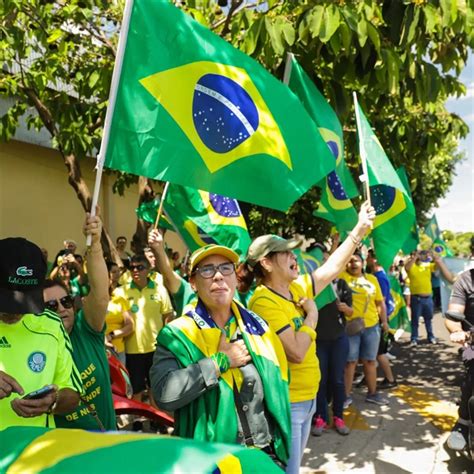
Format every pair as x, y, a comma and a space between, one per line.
22, 276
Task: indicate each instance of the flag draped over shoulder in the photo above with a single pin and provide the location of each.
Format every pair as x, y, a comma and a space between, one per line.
203, 218
399, 317
212, 416
193, 110
413, 239
438, 244
43, 450
307, 263
148, 212
394, 209
337, 187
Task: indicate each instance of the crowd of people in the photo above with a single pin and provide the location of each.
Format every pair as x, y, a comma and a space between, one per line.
236, 348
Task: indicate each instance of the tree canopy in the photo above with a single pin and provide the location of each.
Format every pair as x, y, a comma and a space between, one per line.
402, 57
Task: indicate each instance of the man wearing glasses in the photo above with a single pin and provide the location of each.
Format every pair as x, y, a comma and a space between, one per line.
37, 375
151, 309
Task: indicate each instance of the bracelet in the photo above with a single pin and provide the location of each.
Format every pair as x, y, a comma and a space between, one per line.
53, 405
309, 331
222, 361
354, 239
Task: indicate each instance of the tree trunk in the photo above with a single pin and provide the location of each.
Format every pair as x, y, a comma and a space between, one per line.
145, 194
84, 195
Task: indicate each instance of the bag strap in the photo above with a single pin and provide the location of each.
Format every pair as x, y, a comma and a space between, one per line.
248, 439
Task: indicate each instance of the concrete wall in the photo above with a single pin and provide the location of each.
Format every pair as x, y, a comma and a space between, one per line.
37, 202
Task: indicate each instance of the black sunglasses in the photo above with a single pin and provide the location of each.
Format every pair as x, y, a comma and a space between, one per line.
137, 267
53, 305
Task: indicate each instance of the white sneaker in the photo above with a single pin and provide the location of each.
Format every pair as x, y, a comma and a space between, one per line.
390, 356
456, 441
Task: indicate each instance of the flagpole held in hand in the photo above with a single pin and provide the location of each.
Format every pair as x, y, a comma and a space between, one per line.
162, 200
110, 108
363, 156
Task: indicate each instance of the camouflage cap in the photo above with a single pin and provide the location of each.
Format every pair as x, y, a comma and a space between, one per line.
266, 244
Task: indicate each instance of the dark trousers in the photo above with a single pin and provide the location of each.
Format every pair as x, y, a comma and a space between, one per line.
421, 306
332, 357
466, 392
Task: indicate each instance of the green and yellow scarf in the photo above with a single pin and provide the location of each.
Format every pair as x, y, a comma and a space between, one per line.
212, 416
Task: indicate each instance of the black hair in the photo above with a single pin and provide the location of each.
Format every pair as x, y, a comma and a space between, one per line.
140, 258
110, 265
49, 283
120, 237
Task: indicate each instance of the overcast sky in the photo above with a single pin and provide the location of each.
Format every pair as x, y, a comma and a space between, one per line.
456, 211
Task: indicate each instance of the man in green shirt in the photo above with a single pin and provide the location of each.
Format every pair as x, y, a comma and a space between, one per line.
35, 351
86, 329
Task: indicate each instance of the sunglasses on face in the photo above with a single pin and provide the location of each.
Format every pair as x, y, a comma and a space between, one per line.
137, 267
208, 271
53, 305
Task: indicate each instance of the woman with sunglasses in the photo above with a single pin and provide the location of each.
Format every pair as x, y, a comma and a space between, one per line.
220, 368
289, 308
86, 330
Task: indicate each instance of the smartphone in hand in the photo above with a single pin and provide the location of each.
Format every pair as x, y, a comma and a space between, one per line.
42, 392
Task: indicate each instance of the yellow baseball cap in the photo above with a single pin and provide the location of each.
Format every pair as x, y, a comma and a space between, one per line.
212, 249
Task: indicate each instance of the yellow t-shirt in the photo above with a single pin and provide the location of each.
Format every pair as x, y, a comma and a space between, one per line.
420, 278
147, 307
36, 351
281, 313
365, 292
114, 319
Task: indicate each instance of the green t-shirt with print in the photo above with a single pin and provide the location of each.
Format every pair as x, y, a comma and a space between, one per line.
91, 360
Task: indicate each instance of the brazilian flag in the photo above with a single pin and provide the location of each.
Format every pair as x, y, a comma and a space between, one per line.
148, 212
203, 218
307, 263
399, 317
193, 110
438, 246
337, 187
413, 239
43, 450
394, 208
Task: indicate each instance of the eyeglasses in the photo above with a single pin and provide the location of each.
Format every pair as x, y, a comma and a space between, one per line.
208, 271
53, 305
137, 267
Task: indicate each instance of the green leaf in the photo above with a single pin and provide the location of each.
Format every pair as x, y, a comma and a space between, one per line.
274, 32
431, 17
362, 31
315, 20
374, 37
346, 35
93, 78
251, 38
288, 33
330, 23
54, 36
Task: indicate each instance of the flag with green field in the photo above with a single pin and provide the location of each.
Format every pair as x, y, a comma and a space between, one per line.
148, 211
399, 317
413, 239
43, 450
438, 244
193, 110
337, 187
203, 218
307, 263
394, 208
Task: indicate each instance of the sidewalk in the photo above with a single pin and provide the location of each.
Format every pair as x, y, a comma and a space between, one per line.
409, 434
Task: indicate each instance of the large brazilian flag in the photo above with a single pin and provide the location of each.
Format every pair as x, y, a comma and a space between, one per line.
394, 208
203, 218
42, 450
338, 187
193, 110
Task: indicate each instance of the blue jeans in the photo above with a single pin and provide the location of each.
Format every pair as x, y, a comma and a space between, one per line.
365, 344
301, 416
332, 357
421, 306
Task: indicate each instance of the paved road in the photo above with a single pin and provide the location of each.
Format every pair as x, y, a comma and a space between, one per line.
409, 435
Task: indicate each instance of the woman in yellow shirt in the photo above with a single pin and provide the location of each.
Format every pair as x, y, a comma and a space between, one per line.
368, 304
288, 306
